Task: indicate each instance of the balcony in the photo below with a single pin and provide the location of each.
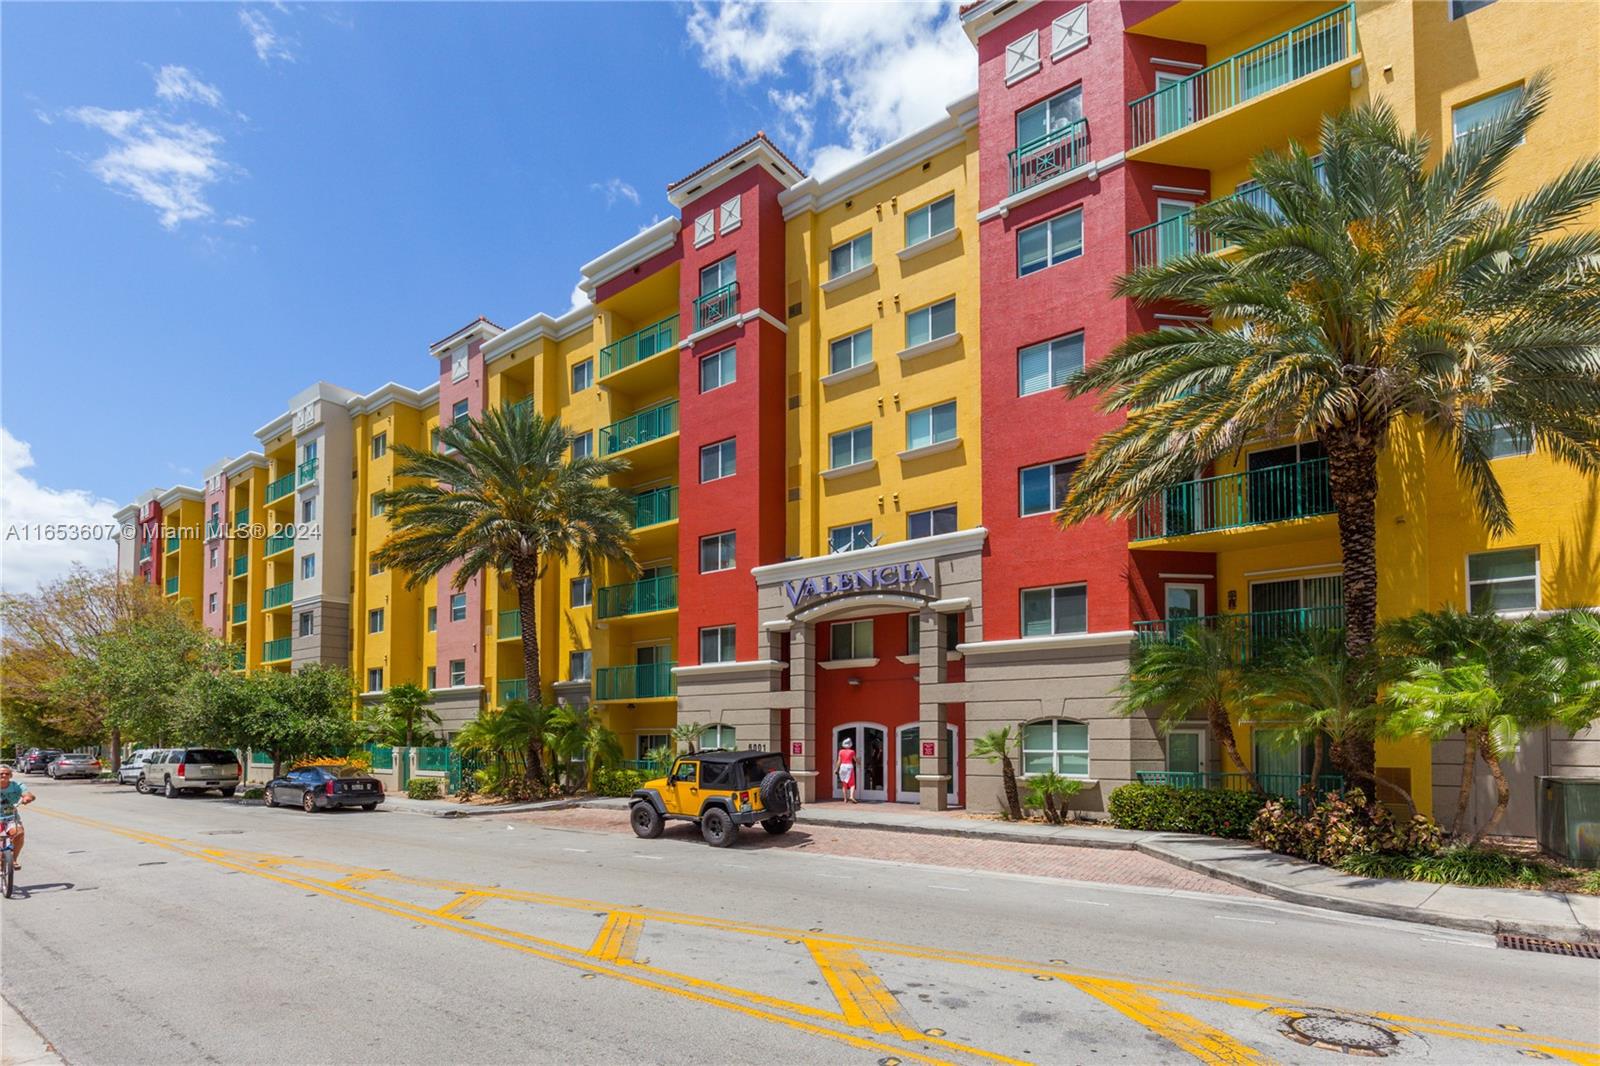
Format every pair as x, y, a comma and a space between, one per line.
1181, 235
241, 517
507, 691
648, 681
644, 596
1204, 117
238, 658
173, 543
308, 471
1050, 156
639, 429
172, 586
276, 651
508, 625
717, 307
277, 596
241, 565
277, 490
1256, 632
637, 347
1236, 501
239, 612
279, 542
144, 551
655, 507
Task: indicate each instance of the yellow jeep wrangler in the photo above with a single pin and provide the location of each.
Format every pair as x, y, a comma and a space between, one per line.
722, 791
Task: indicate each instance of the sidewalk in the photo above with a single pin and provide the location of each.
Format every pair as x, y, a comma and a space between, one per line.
449, 808
20, 1043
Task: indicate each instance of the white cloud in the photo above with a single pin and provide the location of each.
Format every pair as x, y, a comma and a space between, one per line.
579, 297
238, 221
885, 69
27, 560
614, 190
264, 36
176, 85
168, 165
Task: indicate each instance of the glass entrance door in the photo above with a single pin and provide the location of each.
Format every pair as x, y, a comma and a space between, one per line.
907, 788
871, 743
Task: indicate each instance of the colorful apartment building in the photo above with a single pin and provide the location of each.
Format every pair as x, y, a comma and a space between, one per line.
840, 404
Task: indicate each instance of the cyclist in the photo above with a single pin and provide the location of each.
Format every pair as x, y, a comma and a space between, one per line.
12, 796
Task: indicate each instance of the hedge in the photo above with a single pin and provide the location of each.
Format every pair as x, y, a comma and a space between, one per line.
423, 788
618, 782
1162, 808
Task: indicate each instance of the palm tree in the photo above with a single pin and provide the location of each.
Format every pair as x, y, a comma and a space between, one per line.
506, 494
1049, 793
997, 744
1372, 291
577, 733
406, 707
1196, 669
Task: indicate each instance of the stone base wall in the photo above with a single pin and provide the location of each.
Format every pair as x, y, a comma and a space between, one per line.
329, 641
457, 706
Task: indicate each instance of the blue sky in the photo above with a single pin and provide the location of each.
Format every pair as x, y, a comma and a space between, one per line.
207, 207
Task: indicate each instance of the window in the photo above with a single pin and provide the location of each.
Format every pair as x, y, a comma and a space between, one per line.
458, 673
1050, 242
380, 445
1503, 581
308, 509
375, 679
433, 619
716, 553
375, 620
578, 665
851, 255
718, 460
649, 742
1036, 123
308, 623
433, 438
1063, 609
582, 445
850, 537
1057, 745
377, 506
716, 737
1469, 117
308, 567
582, 375
718, 369
719, 274
458, 607
458, 412
930, 221
850, 446
213, 557
211, 603
931, 522
847, 353
1463, 8
952, 632
580, 592
1498, 439
308, 453
458, 364
716, 645
1044, 487
931, 425
432, 674
930, 323
850, 640
1049, 364
374, 568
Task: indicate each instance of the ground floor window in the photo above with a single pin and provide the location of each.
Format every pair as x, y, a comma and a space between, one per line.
649, 742
1063, 609
1057, 744
717, 736
1503, 580
850, 640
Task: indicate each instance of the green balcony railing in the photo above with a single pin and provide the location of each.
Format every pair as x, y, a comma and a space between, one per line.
275, 651
636, 347
280, 542
308, 471
240, 612
656, 506
241, 565
277, 596
508, 626
512, 690
172, 586
144, 551
717, 306
277, 490
173, 542
644, 682
241, 517
1255, 632
1231, 501
648, 594
1309, 47
1055, 153
238, 658
1182, 235
638, 429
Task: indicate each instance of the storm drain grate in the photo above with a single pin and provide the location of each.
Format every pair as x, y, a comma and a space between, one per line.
1549, 947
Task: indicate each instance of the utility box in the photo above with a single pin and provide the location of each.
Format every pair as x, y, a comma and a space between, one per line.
1568, 813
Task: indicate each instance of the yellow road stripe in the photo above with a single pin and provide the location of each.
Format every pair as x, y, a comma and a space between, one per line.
1209, 1045
618, 940
862, 995
459, 907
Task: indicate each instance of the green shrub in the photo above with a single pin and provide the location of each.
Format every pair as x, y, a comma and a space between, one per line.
618, 782
423, 788
1163, 808
1479, 867
255, 793
1338, 825
1049, 794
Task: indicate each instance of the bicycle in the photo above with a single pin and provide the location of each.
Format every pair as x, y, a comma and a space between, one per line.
8, 858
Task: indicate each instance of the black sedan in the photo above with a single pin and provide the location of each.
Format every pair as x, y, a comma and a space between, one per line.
38, 760
320, 788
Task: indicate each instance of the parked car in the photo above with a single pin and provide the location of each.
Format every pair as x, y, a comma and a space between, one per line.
38, 760
319, 788
71, 764
720, 791
128, 773
174, 770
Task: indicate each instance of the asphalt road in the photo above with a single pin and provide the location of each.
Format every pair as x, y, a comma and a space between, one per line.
150, 930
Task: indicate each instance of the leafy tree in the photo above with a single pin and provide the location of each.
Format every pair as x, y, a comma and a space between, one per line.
578, 734
289, 715
997, 744
506, 494
1198, 669
1376, 292
405, 711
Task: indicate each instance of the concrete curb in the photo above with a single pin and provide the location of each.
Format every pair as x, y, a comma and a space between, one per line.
461, 810
1083, 838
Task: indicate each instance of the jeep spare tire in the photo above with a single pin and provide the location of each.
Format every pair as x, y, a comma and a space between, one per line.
780, 793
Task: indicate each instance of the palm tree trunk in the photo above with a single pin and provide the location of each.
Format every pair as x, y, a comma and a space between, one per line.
1009, 776
1222, 726
1353, 485
1316, 762
1469, 763
1502, 790
525, 576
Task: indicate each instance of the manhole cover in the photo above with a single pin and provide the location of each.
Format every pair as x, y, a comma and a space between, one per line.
1341, 1033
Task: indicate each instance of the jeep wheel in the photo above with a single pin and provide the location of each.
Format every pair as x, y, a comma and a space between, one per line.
778, 826
718, 828
646, 820
780, 792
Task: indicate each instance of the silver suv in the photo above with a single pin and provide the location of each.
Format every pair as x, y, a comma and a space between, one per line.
174, 770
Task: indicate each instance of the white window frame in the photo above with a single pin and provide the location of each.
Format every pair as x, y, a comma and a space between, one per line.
1196, 586
306, 624
1538, 578
374, 679
930, 512
454, 596
854, 628
926, 211
1022, 57
457, 669
583, 444
718, 731
1497, 434
433, 620
580, 665
211, 603
854, 458
929, 412
726, 546
580, 592
582, 375
855, 344
1022, 609
853, 246
460, 411
1049, 347
375, 620
725, 468
1055, 751
1050, 260
854, 530
719, 633
928, 309
1509, 94
725, 360
308, 567
380, 444
1022, 511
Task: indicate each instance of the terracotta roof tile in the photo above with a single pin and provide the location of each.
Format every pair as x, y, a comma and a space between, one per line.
463, 329
735, 150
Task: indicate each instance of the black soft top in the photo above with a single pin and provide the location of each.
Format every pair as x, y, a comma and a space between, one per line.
721, 755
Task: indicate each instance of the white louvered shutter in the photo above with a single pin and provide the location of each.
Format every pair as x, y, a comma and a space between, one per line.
1022, 56
730, 215
705, 228
1069, 31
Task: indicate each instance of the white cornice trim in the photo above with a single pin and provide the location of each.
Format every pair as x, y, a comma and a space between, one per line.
847, 470
180, 492
951, 605
1090, 170
961, 542
1055, 642
247, 461
276, 426
393, 392
480, 328
716, 173
1183, 64
738, 320
536, 327
642, 246
928, 347
749, 666
849, 277
938, 240
925, 450
859, 370
991, 13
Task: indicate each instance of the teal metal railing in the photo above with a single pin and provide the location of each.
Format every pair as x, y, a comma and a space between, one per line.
635, 347
238, 658
512, 690
1309, 47
658, 593
508, 625
277, 650
213, 528
434, 759
1231, 501
277, 596
172, 586
277, 490
642, 682
1182, 235
144, 551
241, 517
260, 758
240, 612
382, 756
173, 542
241, 565
280, 542
1286, 786
1055, 153
717, 306
656, 506
1255, 631
308, 471
638, 429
